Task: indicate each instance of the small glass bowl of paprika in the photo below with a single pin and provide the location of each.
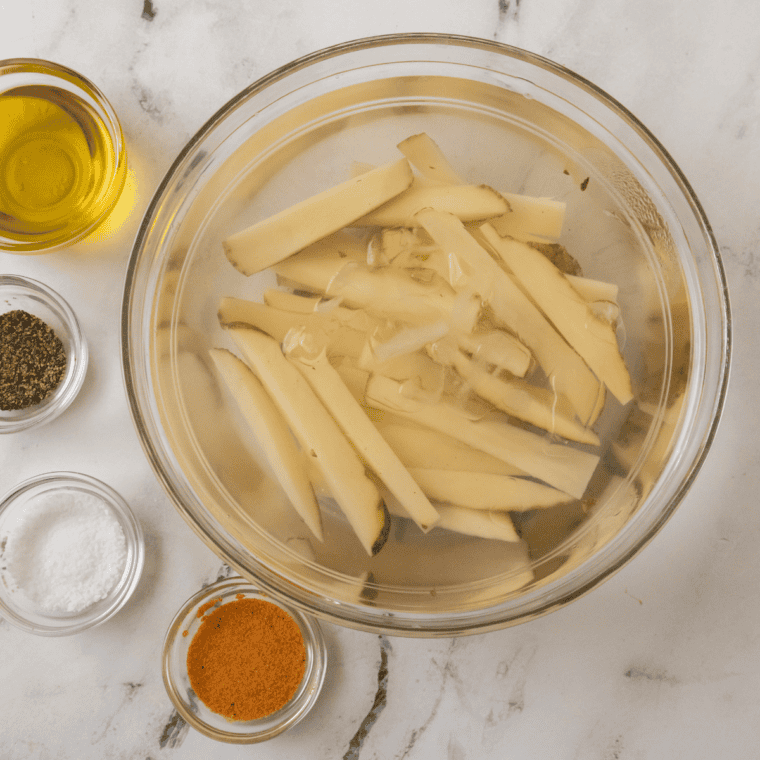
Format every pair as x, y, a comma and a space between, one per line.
43, 354
241, 667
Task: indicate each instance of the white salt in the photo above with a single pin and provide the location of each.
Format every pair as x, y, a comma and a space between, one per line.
66, 551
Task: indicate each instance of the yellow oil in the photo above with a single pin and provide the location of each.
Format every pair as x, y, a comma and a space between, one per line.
57, 164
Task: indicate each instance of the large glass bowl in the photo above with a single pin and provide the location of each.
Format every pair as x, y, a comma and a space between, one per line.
504, 117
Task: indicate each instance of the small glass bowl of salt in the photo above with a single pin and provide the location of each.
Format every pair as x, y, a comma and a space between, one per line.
71, 554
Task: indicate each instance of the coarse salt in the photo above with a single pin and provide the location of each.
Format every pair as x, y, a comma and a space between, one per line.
66, 551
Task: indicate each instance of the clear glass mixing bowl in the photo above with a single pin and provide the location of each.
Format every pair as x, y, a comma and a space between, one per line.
504, 117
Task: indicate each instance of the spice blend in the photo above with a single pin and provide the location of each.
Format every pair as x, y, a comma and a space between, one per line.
32, 360
247, 659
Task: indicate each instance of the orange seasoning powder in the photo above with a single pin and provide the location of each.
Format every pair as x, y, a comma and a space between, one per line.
247, 659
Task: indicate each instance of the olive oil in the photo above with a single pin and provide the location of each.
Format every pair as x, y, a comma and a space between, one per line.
57, 164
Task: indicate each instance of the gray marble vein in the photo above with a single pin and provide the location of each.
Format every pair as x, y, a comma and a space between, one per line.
378, 704
174, 732
149, 11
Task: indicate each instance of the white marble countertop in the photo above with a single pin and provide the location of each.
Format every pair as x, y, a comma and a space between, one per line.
659, 662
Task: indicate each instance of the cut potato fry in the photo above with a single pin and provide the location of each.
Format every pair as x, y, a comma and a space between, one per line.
593, 290
320, 263
361, 167
287, 301
367, 441
568, 374
467, 202
600, 296
353, 376
279, 236
324, 308
477, 522
423, 154
319, 436
409, 249
593, 338
387, 293
410, 339
345, 244
599, 408
272, 433
274, 322
481, 523
530, 218
419, 365
482, 491
498, 348
331, 330
606, 311
386, 245
418, 446
563, 467
529, 403
556, 253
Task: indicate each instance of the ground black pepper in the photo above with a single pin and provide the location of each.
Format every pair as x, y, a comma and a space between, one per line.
32, 360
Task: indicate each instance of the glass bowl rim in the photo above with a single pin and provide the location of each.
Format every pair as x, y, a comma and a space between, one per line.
124, 587
433, 624
306, 697
69, 387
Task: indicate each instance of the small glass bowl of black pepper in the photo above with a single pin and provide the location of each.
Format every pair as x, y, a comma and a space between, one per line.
43, 354
178, 682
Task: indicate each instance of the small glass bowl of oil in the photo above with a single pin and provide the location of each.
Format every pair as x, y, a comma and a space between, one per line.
62, 156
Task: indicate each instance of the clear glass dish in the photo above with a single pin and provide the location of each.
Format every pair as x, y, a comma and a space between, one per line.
503, 117
32, 620
39, 300
174, 666
82, 179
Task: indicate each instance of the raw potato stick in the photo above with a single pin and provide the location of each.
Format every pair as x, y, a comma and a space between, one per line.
482, 491
477, 522
482, 523
563, 467
593, 290
498, 348
274, 322
425, 156
279, 236
537, 406
467, 202
527, 217
272, 433
287, 301
339, 331
531, 218
593, 338
368, 442
319, 435
418, 446
356, 319
389, 293
567, 372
